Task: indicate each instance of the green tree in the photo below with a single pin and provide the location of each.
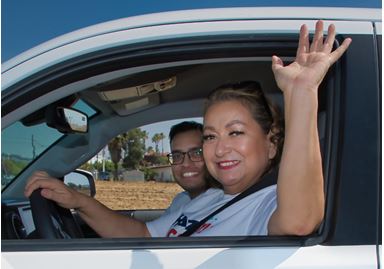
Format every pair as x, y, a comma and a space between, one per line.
134, 145
150, 150
149, 174
89, 166
12, 167
156, 138
109, 166
115, 149
162, 160
162, 137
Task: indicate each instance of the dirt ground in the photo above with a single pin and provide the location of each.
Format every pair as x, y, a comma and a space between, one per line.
136, 195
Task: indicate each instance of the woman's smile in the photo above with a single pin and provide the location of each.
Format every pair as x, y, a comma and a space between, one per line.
226, 165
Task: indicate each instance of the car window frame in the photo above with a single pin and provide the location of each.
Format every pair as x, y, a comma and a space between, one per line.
214, 45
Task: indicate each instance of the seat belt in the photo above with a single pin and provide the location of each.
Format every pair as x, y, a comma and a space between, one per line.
263, 183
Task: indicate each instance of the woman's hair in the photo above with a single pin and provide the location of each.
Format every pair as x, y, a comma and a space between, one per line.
265, 113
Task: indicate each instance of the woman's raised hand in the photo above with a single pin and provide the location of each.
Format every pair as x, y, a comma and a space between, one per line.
312, 60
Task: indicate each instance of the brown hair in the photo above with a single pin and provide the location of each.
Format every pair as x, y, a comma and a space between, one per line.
265, 113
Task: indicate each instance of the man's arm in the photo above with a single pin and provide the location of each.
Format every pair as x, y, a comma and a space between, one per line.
106, 222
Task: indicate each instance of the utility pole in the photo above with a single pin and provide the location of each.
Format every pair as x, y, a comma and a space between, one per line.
103, 158
33, 148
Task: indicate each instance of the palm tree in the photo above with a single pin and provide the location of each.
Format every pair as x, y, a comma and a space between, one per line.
156, 139
115, 149
162, 136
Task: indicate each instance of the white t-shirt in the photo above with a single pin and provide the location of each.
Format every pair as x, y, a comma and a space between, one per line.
180, 199
249, 216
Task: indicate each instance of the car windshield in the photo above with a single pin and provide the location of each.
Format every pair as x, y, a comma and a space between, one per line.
21, 145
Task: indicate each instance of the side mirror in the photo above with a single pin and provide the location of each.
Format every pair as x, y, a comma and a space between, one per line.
67, 120
82, 181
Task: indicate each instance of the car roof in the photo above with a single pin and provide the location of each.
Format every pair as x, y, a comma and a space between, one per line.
198, 15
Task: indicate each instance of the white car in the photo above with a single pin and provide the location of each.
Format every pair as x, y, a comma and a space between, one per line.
146, 69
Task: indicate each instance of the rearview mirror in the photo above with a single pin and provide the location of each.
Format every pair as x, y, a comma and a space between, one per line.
67, 120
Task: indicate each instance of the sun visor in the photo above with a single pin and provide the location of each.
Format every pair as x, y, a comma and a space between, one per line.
140, 90
128, 100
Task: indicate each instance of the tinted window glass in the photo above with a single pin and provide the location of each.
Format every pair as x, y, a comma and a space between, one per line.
20, 144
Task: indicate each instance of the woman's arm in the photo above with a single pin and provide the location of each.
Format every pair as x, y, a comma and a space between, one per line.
300, 188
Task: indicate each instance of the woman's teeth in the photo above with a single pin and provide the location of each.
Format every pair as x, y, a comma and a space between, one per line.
229, 163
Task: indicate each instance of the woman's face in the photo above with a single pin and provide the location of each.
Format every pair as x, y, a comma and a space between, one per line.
236, 150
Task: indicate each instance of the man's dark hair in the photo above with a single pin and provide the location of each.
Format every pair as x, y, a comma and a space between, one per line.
184, 126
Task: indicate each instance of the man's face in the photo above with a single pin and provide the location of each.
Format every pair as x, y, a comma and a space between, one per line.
190, 175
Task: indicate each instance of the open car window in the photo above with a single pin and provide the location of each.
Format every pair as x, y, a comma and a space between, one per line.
143, 179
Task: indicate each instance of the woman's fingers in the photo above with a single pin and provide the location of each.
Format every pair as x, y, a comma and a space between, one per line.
328, 44
335, 55
303, 46
276, 63
317, 42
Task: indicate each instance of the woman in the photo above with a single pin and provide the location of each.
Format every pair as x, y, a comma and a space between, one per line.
242, 141
239, 148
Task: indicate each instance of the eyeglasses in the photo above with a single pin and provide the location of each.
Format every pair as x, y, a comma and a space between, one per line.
177, 157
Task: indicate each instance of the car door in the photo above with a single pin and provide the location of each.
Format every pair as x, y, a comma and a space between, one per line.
348, 236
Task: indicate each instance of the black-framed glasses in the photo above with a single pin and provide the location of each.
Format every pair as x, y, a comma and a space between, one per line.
177, 157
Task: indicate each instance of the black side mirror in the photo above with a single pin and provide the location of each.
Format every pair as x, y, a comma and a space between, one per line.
66, 120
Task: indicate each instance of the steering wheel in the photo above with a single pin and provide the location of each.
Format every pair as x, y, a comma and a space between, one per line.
52, 221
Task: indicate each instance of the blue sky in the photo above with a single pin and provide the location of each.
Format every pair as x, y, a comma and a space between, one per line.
27, 23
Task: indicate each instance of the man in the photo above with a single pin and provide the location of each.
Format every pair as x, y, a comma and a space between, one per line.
189, 172
186, 158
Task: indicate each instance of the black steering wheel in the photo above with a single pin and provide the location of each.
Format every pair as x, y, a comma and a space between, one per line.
52, 221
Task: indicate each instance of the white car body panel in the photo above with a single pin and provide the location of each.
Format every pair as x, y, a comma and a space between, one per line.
193, 23
154, 33
378, 28
319, 257
218, 14
140, 28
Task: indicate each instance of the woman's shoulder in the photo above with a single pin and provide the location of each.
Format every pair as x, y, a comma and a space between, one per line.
213, 191
210, 194
266, 192
264, 196
217, 192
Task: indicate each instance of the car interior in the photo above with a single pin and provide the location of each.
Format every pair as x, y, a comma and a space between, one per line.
126, 98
